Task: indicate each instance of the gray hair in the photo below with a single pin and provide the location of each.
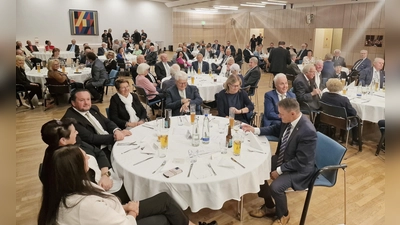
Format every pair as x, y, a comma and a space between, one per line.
319, 61
174, 69
142, 68
278, 76
337, 50
328, 56
307, 68
254, 60
235, 67
293, 55
180, 75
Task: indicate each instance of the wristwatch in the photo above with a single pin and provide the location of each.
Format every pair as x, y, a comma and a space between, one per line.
108, 174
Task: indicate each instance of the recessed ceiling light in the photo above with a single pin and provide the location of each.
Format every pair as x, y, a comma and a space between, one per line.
225, 7
274, 3
252, 5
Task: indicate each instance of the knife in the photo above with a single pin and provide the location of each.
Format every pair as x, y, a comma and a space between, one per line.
237, 162
190, 170
143, 160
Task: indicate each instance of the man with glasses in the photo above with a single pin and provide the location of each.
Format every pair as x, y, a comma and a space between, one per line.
181, 96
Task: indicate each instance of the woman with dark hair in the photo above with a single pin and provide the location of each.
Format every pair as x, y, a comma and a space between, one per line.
309, 58
181, 60
126, 110
56, 55
121, 58
48, 46
239, 57
233, 96
73, 199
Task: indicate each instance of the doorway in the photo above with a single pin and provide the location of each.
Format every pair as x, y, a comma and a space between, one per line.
327, 40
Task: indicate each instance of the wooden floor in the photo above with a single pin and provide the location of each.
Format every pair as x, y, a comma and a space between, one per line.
365, 178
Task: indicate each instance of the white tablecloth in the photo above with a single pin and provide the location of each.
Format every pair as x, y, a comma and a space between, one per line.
130, 57
202, 189
215, 61
207, 87
344, 69
46, 55
36, 77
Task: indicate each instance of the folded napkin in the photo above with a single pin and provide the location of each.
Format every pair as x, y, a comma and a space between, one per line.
201, 171
226, 162
148, 149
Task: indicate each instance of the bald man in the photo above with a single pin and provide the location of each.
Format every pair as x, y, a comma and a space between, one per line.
162, 68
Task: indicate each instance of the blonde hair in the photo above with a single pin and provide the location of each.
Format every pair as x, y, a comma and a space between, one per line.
17, 58
231, 80
50, 64
334, 85
110, 52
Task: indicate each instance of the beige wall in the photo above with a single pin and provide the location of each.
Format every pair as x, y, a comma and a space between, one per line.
357, 20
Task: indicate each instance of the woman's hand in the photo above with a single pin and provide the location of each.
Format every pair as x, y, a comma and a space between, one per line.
132, 208
105, 182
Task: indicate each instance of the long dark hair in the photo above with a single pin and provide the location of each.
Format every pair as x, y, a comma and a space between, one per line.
66, 176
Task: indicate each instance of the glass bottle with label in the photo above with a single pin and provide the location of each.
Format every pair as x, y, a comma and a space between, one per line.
206, 130
229, 138
195, 134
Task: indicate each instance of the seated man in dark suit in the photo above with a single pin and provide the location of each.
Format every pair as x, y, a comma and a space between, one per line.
30, 47
293, 164
181, 95
374, 73
207, 52
151, 56
93, 128
133, 69
271, 99
99, 75
231, 47
293, 68
186, 52
163, 67
200, 64
167, 83
102, 50
84, 60
303, 52
218, 68
73, 47
247, 53
360, 65
305, 89
252, 75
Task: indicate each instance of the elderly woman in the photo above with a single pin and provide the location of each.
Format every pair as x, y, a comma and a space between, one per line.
74, 199
56, 55
137, 51
235, 70
110, 63
225, 70
62, 78
126, 110
149, 87
333, 97
308, 59
121, 57
33, 88
181, 60
48, 46
233, 96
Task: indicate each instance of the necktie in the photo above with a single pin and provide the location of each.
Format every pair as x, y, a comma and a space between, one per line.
376, 76
301, 52
152, 78
358, 64
283, 146
200, 66
97, 126
282, 96
182, 94
167, 69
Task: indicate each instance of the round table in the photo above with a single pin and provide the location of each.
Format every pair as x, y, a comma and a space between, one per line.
46, 55
129, 56
202, 189
206, 85
36, 77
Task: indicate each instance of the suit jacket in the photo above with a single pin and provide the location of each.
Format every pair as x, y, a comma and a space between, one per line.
203, 52
151, 58
338, 100
35, 49
339, 61
293, 69
76, 49
247, 55
233, 50
118, 113
366, 63
205, 67
302, 89
299, 156
367, 75
216, 47
294, 50
189, 54
271, 113
87, 132
110, 65
101, 51
160, 70
252, 77
279, 58
99, 73
328, 71
301, 55
173, 100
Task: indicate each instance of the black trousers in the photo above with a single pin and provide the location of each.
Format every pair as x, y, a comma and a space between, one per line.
35, 90
93, 91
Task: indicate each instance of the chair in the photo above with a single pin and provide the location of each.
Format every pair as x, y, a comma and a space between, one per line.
337, 116
306, 109
328, 158
20, 89
269, 137
381, 144
56, 89
141, 93
111, 79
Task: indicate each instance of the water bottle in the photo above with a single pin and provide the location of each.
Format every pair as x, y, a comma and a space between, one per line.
195, 134
206, 130
359, 90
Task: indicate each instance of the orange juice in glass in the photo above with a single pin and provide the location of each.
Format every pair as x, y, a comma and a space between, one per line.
38, 67
343, 81
237, 145
198, 71
192, 79
231, 122
164, 141
376, 86
63, 68
192, 113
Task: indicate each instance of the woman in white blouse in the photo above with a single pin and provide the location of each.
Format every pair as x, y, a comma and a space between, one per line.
73, 199
309, 59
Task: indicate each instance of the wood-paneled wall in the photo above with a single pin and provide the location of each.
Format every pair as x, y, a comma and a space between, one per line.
357, 20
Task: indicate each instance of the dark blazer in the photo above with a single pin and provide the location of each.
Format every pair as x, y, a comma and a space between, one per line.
271, 113
338, 100
302, 89
118, 113
189, 54
151, 58
233, 50
21, 77
173, 100
279, 58
100, 51
299, 157
96, 152
110, 65
76, 49
243, 100
35, 49
203, 52
364, 64
252, 76
301, 55
339, 61
247, 55
160, 70
367, 75
205, 67
216, 48
134, 73
293, 69
87, 132
99, 73
328, 71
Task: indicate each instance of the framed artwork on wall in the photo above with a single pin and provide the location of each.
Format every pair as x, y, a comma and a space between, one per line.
373, 40
83, 22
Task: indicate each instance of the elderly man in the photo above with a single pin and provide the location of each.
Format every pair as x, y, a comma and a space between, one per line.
216, 46
252, 75
204, 67
303, 52
116, 45
337, 59
328, 70
93, 128
168, 82
293, 164
293, 68
374, 73
151, 57
247, 53
181, 95
231, 47
225, 58
226, 70
73, 47
305, 89
271, 99
271, 46
30, 47
140, 59
319, 66
279, 58
125, 35
188, 55
363, 62
27, 54
124, 45
163, 67
102, 50
99, 75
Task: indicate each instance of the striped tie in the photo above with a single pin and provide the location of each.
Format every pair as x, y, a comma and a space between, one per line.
283, 145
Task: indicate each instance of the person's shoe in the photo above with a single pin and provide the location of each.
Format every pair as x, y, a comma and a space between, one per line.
40, 103
262, 211
282, 221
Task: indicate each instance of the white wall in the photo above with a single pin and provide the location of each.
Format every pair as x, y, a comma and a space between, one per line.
49, 20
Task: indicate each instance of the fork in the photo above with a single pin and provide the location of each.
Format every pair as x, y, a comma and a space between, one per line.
209, 165
162, 164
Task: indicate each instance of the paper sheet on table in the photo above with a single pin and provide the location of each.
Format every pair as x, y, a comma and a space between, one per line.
226, 162
201, 171
148, 148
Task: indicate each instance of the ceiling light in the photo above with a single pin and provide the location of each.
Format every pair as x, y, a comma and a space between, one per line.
252, 5
274, 3
225, 7
277, 1
255, 3
205, 10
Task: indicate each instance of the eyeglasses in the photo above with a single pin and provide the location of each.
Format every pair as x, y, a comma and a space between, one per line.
127, 87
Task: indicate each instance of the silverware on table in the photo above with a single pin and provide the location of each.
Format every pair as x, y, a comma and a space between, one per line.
190, 169
130, 149
209, 165
237, 162
143, 161
162, 164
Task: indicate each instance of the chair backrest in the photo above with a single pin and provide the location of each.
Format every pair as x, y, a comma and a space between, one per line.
141, 93
57, 88
333, 110
328, 153
246, 89
111, 78
333, 115
253, 88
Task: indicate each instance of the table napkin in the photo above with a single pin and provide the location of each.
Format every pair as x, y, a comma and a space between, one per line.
226, 162
148, 148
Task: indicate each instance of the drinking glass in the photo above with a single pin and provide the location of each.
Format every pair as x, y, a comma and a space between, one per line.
376, 86
221, 127
38, 67
164, 138
206, 111
192, 113
237, 145
344, 90
222, 147
192, 79
160, 123
343, 81
231, 116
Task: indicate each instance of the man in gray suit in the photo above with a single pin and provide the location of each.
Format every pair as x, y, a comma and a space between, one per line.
305, 89
337, 59
181, 96
374, 73
293, 163
252, 75
99, 75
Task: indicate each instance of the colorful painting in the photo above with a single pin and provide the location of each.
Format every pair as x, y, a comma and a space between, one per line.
83, 22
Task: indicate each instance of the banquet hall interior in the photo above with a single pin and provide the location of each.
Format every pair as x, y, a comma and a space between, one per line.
323, 25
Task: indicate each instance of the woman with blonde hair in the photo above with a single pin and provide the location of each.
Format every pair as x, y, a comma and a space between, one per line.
110, 63
233, 96
62, 78
33, 88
